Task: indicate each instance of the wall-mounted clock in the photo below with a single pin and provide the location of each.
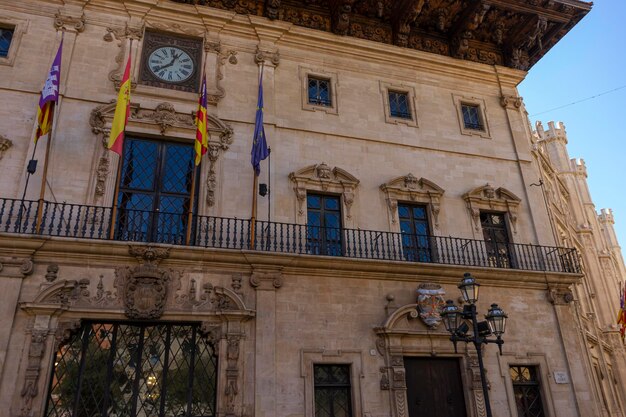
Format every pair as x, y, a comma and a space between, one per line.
171, 61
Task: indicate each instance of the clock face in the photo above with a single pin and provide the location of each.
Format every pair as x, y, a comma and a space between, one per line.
171, 64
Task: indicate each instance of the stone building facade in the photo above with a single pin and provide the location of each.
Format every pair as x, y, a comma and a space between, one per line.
401, 159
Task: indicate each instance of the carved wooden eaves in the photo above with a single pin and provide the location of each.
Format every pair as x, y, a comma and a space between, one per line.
487, 197
409, 188
321, 177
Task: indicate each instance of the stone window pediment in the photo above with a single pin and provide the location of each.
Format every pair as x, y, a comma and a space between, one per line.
164, 119
411, 189
321, 178
487, 197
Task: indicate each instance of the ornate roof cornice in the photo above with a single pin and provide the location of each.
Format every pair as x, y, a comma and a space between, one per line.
512, 33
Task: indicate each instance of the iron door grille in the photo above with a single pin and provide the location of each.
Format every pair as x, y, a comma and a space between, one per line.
110, 369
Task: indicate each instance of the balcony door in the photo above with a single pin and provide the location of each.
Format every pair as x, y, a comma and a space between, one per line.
155, 191
415, 232
496, 238
324, 234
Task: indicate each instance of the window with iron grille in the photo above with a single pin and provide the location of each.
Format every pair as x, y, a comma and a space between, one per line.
471, 117
110, 369
324, 233
496, 237
332, 391
319, 91
6, 35
527, 391
155, 191
415, 232
399, 105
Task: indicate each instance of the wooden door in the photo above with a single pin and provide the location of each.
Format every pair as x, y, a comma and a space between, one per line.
434, 387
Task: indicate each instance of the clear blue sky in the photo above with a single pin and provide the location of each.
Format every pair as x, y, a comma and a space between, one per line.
589, 60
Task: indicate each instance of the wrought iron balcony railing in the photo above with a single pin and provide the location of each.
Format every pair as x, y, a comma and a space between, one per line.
92, 222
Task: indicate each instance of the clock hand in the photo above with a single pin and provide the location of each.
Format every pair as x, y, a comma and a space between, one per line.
174, 58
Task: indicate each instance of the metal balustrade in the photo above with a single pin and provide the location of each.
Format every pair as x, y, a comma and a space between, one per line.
92, 222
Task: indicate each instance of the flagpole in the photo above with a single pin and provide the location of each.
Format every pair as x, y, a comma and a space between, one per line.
269, 186
191, 203
44, 175
120, 160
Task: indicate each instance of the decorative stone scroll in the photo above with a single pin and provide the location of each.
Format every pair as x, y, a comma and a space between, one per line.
121, 35
65, 22
409, 188
322, 178
36, 351
560, 295
488, 198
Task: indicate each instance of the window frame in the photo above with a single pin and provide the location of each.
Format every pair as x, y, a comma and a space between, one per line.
333, 387
325, 244
461, 100
510, 255
416, 249
537, 360
387, 88
307, 73
534, 383
157, 193
19, 28
352, 357
12, 31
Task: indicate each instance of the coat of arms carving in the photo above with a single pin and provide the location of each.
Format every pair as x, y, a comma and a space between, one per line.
145, 292
429, 303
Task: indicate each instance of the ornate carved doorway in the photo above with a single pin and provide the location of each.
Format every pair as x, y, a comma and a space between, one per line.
434, 387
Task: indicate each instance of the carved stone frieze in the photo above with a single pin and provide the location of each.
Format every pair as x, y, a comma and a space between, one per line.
67, 22
487, 197
207, 298
384, 378
321, 177
165, 116
404, 15
102, 172
272, 9
410, 189
231, 389
5, 144
143, 290
122, 35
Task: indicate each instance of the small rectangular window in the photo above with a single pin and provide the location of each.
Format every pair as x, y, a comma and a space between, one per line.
332, 390
527, 391
471, 117
319, 92
399, 105
6, 35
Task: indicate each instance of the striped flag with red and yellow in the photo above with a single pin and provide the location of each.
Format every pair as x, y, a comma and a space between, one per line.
122, 111
49, 97
201, 144
621, 314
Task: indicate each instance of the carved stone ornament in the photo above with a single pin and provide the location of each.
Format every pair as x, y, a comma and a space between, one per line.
5, 144
16, 267
66, 22
511, 102
36, 351
410, 189
144, 291
263, 57
429, 303
122, 35
560, 295
51, 273
321, 177
487, 197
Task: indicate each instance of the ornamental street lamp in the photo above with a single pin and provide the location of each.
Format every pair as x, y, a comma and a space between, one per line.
456, 322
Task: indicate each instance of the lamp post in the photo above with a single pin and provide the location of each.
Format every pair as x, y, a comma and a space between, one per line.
456, 320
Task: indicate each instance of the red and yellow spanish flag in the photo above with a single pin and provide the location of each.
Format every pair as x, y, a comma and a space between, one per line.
202, 140
122, 110
49, 97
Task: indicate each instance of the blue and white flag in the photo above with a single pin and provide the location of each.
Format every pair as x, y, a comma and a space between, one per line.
259, 143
